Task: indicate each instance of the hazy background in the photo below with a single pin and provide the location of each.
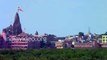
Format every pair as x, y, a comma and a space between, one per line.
59, 17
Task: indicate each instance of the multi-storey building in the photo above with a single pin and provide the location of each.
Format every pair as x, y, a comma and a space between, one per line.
19, 42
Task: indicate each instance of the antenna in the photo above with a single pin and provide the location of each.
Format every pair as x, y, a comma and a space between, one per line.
89, 30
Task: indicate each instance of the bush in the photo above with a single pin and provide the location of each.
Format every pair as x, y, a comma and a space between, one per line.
54, 54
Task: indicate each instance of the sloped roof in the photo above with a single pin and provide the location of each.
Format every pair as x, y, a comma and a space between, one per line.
23, 34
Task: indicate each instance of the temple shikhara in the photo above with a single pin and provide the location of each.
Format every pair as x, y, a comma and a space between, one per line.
14, 29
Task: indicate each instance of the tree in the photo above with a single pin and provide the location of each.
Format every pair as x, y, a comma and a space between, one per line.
105, 33
36, 33
81, 34
42, 44
51, 37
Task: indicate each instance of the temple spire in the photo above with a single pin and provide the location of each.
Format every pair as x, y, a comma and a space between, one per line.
14, 29
17, 25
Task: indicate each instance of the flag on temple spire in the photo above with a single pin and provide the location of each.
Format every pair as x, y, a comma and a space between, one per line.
19, 9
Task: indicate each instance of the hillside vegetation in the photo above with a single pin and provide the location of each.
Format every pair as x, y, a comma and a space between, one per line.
54, 54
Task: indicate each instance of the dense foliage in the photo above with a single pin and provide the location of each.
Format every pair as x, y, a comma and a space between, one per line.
54, 54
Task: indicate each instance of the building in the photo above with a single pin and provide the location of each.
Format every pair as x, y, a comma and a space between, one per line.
4, 41
34, 42
104, 39
83, 45
59, 44
1, 42
19, 42
37, 42
14, 29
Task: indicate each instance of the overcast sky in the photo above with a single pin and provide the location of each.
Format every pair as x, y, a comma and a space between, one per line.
59, 17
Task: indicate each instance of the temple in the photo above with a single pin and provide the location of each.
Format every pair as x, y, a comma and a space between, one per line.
14, 29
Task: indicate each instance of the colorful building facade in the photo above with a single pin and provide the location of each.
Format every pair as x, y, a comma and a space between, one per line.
59, 44
104, 39
19, 42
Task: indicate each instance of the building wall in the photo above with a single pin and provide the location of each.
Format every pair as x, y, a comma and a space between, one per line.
19, 43
2, 42
34, 44
104, 39
59, 45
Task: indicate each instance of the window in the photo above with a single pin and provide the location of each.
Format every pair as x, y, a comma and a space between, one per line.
103, 39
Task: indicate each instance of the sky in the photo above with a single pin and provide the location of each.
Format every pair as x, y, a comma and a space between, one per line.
59, 17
